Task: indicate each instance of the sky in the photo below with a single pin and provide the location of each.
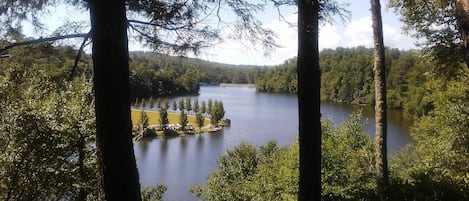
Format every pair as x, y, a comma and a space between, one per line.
351, 33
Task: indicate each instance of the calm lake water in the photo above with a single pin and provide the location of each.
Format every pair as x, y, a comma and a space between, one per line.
180, 162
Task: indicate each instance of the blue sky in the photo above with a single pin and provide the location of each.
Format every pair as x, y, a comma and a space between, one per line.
356, 32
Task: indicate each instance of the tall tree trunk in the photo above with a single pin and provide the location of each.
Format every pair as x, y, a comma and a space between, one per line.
118, 175
309, 101
462, 18
380, 100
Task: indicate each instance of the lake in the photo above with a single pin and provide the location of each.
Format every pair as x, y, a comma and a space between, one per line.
180, 162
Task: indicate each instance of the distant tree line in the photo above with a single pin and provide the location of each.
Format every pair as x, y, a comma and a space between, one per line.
159, 75
347, 77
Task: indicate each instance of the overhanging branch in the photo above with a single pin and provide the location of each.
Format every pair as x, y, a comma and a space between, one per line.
42, 40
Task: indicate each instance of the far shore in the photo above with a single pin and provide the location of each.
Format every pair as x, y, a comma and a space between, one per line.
236, 85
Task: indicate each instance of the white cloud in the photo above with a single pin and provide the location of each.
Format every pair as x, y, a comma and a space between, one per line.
243, 52
360, 33
357, 33
328, 37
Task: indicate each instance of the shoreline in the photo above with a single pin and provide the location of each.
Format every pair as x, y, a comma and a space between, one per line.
236, 85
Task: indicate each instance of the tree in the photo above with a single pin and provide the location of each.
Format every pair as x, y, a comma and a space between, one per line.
203, 108
143, 103
209, 106
158, 103
183, 120
218, 112
137, 102
166, 103
380, 100
118, 178
309, 84
45, 130
188, 104
151, 102
164, 119
196, 105
444, 26
143, 122
175, 105
181, 104
199, 120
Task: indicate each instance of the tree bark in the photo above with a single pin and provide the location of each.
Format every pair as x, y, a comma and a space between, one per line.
462, 18
309, 101
118, 175
380, 100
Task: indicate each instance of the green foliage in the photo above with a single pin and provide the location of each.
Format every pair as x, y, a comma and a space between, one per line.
153, 193
142, 123
217, 112
199, 120
282, 79
47, 133
175, 105
347, 160
164, 121
183, 119
347, 77
271, 172
196, 105
160, 75
166, 103
188, 106
209, 106
143, 102
158, 103
181, 104
203, 107
151, 102
436, 22
437, 162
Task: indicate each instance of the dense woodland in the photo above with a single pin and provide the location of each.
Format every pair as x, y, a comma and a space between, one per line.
54, 144
161, 75
347, 77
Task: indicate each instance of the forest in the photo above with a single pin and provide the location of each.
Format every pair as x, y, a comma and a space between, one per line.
347, 77
65, 128
158, 75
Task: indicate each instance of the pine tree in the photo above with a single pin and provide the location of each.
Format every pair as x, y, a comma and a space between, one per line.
188, 104
181, 104
164, 121
143, 103
199, 120
151, 102
175, 105
183, 120
196, 105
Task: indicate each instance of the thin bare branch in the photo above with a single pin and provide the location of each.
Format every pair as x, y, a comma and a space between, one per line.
42, 40
78, 57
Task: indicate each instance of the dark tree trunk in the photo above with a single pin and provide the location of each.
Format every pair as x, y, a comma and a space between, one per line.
380, 100
462, 18
118, 175
309, 101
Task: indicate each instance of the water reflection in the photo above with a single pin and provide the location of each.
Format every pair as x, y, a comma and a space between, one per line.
180, 162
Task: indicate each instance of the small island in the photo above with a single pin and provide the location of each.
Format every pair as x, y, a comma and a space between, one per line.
185, 117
